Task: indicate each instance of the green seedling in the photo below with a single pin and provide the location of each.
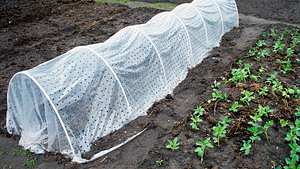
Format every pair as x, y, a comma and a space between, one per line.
173, 144
199, 111
261, 72
293, 137
216, 85
263, 91
201, 146
266, 127
286, 66
159, 163
220, 130
274, 33
290, 52
278, 46
247, 97
283, 122
263, 53
254, 77
255, 130
196, 117
218, 95
264, 110
240, 74
261, 43
30, 164
246, 147
195, 122
252, 51
297, 113
235, 106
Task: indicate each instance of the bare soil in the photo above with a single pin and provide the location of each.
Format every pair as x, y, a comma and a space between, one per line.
288, 10
32, 32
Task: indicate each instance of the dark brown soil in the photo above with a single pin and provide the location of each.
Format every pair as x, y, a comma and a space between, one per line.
287, 10
40, 31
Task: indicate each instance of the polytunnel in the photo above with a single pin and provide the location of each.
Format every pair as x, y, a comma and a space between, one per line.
67, 103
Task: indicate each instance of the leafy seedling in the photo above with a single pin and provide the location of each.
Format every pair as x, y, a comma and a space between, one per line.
283, 122
261, 43
278, 46
286, 66
264, 110
266, 127
290, 52
201, 146
196, 117
247, 97
246, 147
263, 53
220, 130
235, 106
263, 91
218, 95
30, 163
173, 144
159, 163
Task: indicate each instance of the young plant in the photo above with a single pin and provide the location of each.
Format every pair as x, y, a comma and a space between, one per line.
290, 52
201, 146
30, 163
266, 127
264, 110
240, 74
218, 95
220, 130
263, 53
159, 163
263, 91
173, 144
278, 46
196, 117
247, 97
286, 66
283, 122
261, 43
235, 106
246, 147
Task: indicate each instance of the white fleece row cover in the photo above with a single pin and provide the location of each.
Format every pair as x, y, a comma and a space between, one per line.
69, 102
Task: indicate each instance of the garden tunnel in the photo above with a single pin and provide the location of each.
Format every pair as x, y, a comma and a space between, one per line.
69, 102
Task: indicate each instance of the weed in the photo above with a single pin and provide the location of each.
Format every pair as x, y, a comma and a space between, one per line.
201, 146
173, 144
235, 106
247, 97
219, 131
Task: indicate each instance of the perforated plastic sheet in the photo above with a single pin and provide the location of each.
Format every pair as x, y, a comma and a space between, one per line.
66, 104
